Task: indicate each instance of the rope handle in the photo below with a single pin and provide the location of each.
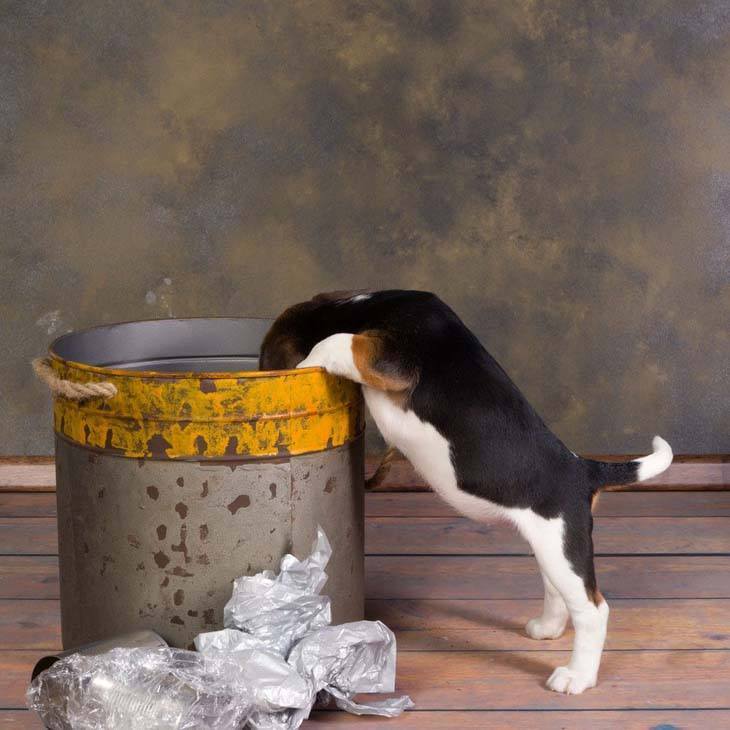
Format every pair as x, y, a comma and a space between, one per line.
378, 476
70, 388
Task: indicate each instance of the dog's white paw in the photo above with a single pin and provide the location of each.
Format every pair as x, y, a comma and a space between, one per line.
570, 682
539, 628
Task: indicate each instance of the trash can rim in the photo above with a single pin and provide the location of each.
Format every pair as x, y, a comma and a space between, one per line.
172, 375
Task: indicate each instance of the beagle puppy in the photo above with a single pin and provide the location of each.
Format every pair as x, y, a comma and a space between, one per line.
439, 397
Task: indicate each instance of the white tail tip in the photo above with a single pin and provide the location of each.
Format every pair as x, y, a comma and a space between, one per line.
656, 462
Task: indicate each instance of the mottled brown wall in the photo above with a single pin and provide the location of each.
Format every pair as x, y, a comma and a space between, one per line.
558, 171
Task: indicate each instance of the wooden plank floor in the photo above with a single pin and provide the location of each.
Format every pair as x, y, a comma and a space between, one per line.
458, 595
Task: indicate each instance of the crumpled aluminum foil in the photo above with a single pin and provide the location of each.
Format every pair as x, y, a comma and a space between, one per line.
281, 609
264, 670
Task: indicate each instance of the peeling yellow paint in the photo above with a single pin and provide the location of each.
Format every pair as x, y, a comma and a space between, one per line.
210, 415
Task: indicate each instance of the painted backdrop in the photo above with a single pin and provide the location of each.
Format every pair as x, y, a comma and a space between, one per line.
557, 171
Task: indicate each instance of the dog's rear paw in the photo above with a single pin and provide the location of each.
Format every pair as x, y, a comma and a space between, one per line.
570, 682
539, 628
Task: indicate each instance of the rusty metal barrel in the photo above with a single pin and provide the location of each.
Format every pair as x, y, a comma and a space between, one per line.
198, 470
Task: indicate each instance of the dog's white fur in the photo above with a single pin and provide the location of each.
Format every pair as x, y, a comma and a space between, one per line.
430, 454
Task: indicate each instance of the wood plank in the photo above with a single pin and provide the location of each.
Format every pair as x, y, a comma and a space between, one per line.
454, 625
20, 720
427, 504
686, 472
27, 473
458, 535
27, 504
28, 536
450, 576
514, 680
462, 577
529, 720
459, 625
610, 504
30, 577
30, 625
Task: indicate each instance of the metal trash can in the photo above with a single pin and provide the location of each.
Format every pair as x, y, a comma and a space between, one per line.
199, 469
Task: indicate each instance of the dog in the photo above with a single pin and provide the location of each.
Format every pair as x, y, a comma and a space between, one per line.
440, 398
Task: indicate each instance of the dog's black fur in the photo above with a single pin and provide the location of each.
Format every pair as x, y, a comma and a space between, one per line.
502, 450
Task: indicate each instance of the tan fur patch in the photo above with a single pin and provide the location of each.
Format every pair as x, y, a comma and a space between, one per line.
594, 501
596, 597
366, 350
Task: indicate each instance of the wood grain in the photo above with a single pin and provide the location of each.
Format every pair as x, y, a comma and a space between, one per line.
528, 720
517, 577
622, 535
514, 680
28, 536
462, 577
454, 625
30, 624
27, 504
611, 504
458, 536
686, 472
31, 577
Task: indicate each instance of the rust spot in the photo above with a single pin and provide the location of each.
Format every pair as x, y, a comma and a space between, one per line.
161, 532
100, 494
182, 510
181, 572
180, 482
140, 566
203, 559
182, 547
109, 446
177, 620
329, 487
203, 529
178, 597
158, 445
208, 386
243, 500
232, 446
161, 559
209, 616
201, 445
272, 489
165, 582
204, 493
153, 492
192, 613
133, 540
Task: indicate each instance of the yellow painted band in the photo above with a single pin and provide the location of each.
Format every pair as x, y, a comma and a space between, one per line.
210, 415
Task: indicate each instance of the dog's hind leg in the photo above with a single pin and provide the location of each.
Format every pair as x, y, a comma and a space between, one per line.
552, 623
588, 610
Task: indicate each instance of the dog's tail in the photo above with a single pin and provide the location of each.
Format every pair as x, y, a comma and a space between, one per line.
603, 473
